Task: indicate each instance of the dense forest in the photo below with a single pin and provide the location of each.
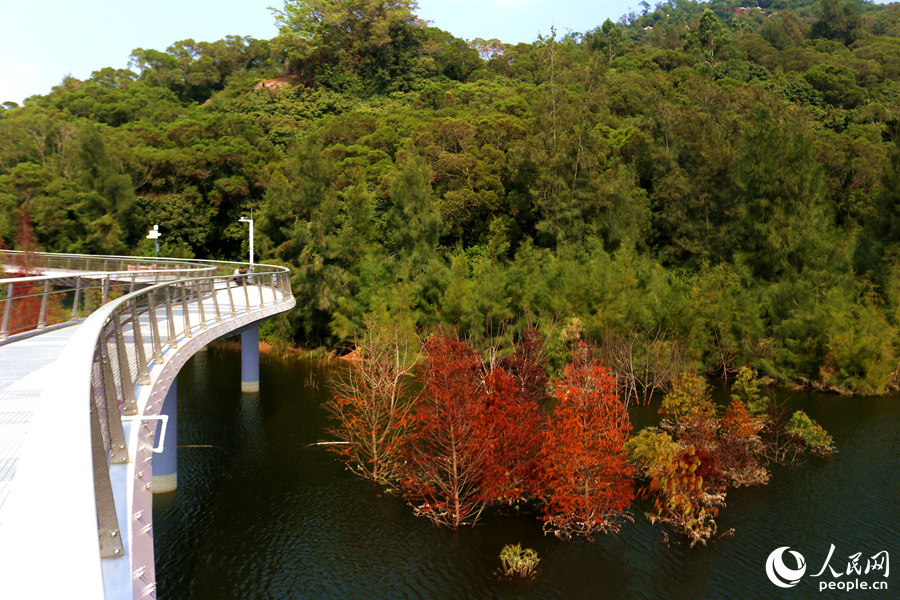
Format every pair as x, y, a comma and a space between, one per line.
713, 184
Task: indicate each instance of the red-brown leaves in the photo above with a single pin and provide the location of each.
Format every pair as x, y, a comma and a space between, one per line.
448, 453
682, 496
515, 423
526, 366
737, 420
587, 477
477, 437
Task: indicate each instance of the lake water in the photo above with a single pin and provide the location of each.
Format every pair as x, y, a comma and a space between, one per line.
262, 512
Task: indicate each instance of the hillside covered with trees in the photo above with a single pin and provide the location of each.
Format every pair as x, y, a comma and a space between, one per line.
715, 184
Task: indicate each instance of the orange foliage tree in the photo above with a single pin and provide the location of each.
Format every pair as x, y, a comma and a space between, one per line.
740, 446
514, 423
588, 479
476, 437
683, 496
447, 452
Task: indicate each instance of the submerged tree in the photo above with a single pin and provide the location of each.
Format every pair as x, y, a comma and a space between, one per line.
644, 361
515, 420
682, 496
448, 452
372, 403
686, 479
587, 476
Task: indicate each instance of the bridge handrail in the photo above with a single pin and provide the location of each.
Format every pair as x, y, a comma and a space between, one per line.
33, 303
117, 346
119, 363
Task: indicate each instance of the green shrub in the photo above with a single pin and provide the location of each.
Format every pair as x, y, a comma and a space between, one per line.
814, 436
518, 562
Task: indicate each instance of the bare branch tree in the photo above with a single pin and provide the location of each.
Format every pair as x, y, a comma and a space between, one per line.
371, 402
643, 360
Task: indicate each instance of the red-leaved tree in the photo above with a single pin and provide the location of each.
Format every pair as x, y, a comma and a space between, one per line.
527, 366
448, 452
588, 479
740, 446
26, 297
514, 422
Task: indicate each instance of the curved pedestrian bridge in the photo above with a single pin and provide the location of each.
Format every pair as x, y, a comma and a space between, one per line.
89, 350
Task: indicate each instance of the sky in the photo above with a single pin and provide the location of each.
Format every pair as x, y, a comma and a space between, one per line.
43, 42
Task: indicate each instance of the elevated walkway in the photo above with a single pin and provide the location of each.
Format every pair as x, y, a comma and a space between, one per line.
79, 408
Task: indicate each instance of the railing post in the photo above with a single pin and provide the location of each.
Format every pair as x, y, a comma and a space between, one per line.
230, 297
200, 285
42, 316
259, 285
77, 297
117, 448
245, 284
173, 343
154, 329
105, 287
131, 285
285, 285
185, 313
215, 297
129, 404
107, 522
143, 372
7, 304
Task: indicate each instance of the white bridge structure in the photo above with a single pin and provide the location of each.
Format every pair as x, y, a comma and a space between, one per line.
89, 350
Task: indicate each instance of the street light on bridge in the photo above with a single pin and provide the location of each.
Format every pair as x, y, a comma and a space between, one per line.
250, 220
154, 235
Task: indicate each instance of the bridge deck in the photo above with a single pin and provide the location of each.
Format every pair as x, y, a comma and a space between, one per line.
24, 368
70, 521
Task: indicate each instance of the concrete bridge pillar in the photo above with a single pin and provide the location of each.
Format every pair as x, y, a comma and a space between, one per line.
165, 464
250, 359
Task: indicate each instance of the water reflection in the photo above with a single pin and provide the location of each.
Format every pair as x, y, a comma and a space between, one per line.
261, 512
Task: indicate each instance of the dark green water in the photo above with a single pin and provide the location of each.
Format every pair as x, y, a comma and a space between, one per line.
263, 514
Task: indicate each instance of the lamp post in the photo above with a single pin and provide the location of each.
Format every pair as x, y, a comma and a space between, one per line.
250, 336
154, 235
250, 220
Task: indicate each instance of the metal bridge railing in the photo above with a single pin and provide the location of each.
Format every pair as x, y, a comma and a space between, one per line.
32, 301
136, 330
126, 336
